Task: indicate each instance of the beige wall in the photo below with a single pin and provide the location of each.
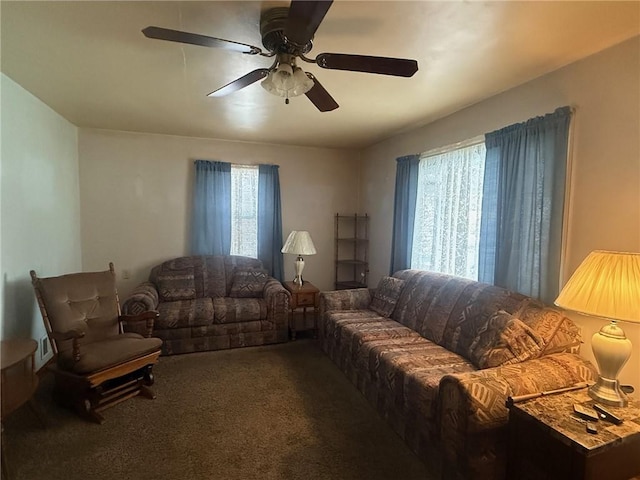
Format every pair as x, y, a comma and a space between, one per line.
604, 210
40, 205
136, 197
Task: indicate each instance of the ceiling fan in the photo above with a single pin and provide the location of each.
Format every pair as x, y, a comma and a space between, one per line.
287, 35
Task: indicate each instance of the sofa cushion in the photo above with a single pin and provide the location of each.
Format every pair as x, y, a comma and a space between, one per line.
409, 375
450, 310
231, 310
184, 313
361, 332
177, 285
248, 283
560, 333
233, 263
504, 340
386, 296
216, 278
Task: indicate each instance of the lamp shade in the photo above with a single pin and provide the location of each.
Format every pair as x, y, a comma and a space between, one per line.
299, 243
606, 284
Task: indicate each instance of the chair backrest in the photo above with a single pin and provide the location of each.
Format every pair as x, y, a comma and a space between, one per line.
86, 301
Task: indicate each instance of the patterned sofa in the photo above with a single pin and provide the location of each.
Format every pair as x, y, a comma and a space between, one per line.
438, 356
213, 303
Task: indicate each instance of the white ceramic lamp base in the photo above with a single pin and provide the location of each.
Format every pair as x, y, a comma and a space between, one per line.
611, 349
299, 267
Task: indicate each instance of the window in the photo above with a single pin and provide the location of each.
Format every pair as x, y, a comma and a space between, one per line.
244, 210
237, 204
448, 211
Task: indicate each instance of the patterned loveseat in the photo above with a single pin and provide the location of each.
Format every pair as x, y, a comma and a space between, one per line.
439, 355
213, 303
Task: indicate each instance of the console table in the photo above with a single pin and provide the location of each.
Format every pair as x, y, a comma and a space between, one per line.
546, 441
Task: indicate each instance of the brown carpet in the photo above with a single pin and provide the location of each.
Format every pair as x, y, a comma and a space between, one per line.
274, 412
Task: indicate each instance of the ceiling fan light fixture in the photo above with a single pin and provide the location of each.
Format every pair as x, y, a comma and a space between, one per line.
283, 76
302, 83
287, 81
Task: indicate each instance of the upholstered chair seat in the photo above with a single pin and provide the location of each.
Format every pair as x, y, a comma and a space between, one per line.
109, 352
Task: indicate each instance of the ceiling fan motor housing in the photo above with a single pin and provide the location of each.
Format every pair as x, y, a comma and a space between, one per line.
272, 25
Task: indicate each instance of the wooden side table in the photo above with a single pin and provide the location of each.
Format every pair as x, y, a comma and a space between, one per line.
19, 380
303, 297
546, 442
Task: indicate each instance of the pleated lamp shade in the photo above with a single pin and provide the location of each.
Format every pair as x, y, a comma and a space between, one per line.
607, 284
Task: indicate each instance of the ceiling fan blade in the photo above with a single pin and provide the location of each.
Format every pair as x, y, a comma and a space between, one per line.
320, 97
160, 33
241, 82
304, 19
399, 67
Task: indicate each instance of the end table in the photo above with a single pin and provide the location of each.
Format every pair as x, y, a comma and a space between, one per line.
19, 381
546, 442
303, 296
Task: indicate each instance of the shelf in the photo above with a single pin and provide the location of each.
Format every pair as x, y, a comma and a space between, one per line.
351, 262
345, 285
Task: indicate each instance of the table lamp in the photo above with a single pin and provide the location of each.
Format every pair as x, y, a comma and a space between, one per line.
299, 243
607, 284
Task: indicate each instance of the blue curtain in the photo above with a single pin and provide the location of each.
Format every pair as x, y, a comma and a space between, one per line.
270, 221
211, 214
404, 211
523, 204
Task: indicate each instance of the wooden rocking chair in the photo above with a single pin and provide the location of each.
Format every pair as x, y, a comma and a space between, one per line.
97, 364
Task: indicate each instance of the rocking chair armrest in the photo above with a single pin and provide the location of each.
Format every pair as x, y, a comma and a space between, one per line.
149, 317
72, 334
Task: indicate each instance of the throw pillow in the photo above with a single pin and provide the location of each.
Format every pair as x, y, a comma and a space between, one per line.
504, 340
176, 285
386, 296
560, 333
248, 283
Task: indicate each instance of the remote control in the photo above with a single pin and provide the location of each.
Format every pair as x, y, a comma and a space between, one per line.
607, 415
585, 412
591, 428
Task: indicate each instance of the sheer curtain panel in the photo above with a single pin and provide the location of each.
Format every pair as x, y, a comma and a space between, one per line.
244, 210
404, 210
448, 208
211, 213
523, 204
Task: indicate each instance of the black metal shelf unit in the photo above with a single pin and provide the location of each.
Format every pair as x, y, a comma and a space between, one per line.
351, 251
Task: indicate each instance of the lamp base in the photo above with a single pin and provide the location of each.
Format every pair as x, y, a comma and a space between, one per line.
299, 267
608, 391
611, 349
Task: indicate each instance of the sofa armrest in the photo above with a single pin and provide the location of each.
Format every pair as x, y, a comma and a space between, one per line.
143, 298
278, 300
473, 412
353, 299
335, 300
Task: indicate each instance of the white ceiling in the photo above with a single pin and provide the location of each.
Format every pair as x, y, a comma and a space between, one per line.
89, 61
